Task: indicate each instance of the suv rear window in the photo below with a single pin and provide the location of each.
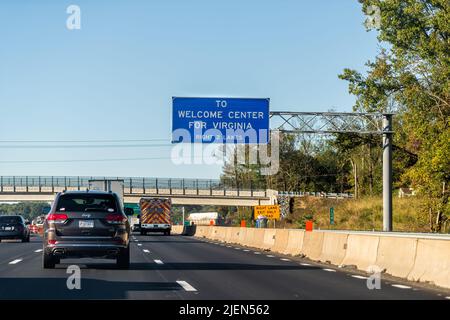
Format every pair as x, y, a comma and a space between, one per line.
6, 219
86, 202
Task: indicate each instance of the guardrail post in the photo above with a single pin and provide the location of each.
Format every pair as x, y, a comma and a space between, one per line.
170, 186
131, 185
26, 184
39, 183
53, 186
196, 182
184, 188
210, 187
78, 183
14, 183
157, 189
65, 183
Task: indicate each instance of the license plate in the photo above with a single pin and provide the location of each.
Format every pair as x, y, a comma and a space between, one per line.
86, 224
9, 228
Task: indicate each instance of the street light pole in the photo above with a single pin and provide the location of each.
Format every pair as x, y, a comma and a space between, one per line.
387, 172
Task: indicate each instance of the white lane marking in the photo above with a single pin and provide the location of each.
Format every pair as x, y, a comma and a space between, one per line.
222, 245
158, 261
146, 251
246, 250
359, 277
256, 252
284, 259
186, 286
237, 248
38, 250
329, 270
15, 261
448, 298
228, 246
305, 264
400, 286
270, 256
139, 244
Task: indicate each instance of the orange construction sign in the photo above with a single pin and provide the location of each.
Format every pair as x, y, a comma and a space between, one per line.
271, 212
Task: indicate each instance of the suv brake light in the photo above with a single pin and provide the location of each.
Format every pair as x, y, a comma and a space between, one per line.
60, 217
115, 218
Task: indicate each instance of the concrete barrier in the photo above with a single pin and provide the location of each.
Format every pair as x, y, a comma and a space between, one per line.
177, 229
281, 240
258, 238
312, 244
215, 233
361, 251
249, 237
235, 235
242, 236
432, 262
334, 248
294, 243
269, 239
396, 255
414, 257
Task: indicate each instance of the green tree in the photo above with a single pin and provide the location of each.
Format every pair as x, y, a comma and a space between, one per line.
411, 76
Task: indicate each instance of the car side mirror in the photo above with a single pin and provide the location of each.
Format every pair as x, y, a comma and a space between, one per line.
129, 211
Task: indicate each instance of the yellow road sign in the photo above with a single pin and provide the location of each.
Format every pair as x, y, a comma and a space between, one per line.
271, 212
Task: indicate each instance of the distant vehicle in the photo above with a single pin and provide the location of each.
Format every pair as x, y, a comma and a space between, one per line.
86, 224
204, 218
14, 227
155, 215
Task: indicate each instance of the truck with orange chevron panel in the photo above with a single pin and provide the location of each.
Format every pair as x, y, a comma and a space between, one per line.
155, 215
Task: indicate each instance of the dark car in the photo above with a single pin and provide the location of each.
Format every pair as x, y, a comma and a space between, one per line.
86, 224
14, 227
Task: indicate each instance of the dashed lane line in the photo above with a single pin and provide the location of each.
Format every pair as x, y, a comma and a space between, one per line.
284, 259
359, 277
158, 262
305, 264
139, 244
269, 256
146, 251
186, 286
38, 250
329, 270
15, 261
400, 286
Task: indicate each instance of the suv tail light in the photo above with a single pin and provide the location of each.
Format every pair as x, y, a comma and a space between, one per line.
115, 218
57, 217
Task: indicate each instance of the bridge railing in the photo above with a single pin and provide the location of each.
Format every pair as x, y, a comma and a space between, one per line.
132, 185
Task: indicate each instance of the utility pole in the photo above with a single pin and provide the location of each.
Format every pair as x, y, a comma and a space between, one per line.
387, 172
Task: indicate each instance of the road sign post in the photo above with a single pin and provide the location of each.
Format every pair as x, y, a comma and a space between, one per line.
331, 215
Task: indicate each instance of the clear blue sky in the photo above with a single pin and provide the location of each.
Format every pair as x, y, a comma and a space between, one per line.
114, 78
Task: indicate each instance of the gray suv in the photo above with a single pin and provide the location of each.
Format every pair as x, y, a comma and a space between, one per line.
86, 224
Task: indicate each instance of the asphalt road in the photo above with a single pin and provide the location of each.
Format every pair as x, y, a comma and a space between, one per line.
179, 267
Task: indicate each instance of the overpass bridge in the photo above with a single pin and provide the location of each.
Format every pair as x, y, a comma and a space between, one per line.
182, 191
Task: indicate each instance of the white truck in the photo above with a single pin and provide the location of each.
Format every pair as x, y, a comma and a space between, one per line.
112, 185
